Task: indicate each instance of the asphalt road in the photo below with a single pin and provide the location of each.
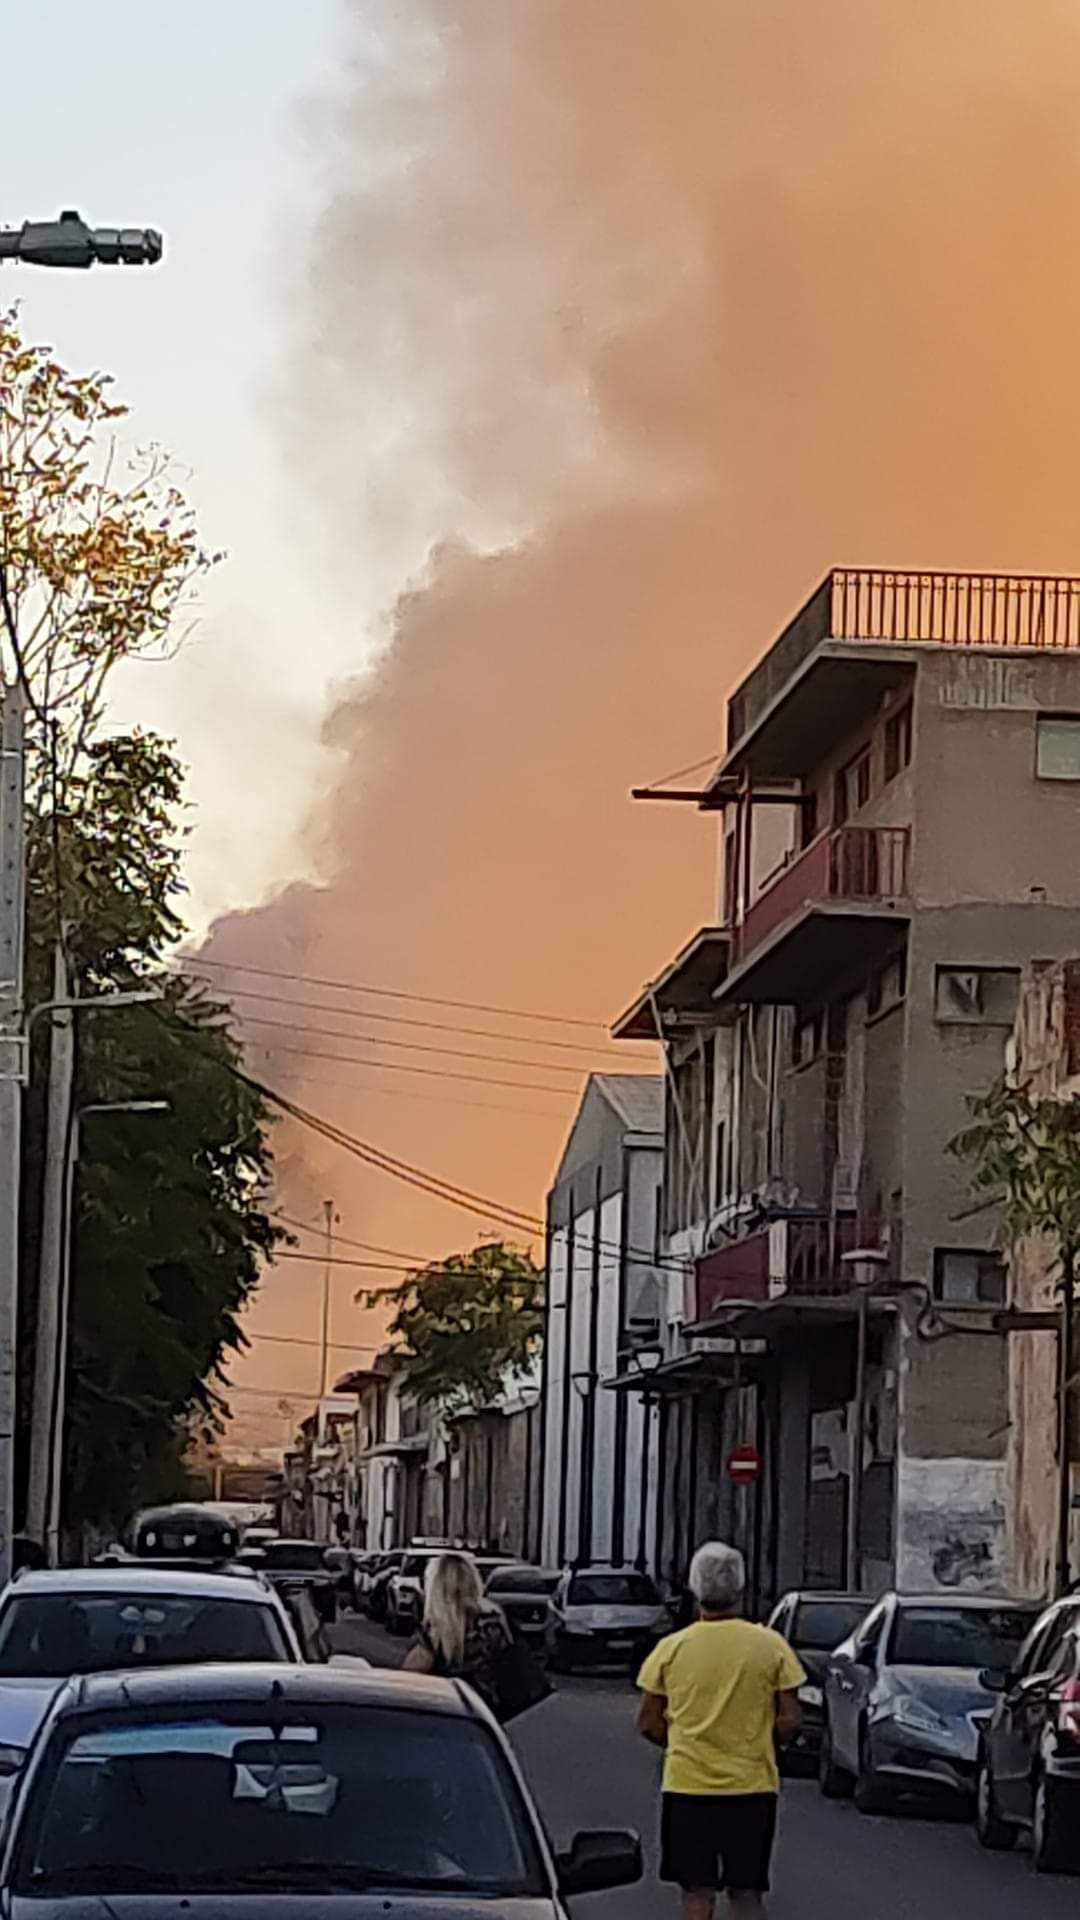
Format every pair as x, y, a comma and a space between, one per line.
588, 1769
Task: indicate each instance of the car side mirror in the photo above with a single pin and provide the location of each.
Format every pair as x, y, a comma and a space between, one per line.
596, 1861
994, 1679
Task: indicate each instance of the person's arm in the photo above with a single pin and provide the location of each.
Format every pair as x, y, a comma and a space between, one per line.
788, 1715
652, 1719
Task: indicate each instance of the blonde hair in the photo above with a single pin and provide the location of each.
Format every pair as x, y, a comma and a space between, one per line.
453, 1596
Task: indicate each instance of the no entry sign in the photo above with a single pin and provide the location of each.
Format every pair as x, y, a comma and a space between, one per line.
744, 1465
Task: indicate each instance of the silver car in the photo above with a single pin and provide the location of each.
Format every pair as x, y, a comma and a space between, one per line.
904, 1701
606, 1616
96, 1619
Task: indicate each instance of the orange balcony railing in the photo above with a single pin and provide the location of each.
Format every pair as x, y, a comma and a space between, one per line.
854, 863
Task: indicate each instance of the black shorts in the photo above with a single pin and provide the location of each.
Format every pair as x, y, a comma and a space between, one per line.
717, 1840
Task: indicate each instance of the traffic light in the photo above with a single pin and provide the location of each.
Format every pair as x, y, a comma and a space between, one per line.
69, 242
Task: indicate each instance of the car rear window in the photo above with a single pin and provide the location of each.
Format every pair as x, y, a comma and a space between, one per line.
522, 1580
957, 1636
820, 1625
46, 1634
292, 1556
612, 1590
342, 1800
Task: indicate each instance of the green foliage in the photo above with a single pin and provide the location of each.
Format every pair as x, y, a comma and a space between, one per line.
467, 1323
1026, 1152
171, 1228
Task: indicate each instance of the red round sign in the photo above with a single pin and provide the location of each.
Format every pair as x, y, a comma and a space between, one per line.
744, 1465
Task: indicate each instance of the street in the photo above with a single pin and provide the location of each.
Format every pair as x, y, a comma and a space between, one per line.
587, 1768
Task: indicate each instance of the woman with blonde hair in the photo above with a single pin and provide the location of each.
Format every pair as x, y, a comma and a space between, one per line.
463, 1634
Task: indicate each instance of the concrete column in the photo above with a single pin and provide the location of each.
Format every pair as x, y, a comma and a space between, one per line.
792, 1469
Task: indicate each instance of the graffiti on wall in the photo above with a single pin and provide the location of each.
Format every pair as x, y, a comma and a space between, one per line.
951, 1531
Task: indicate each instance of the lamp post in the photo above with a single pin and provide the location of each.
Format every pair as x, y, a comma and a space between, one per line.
645, 1361
58, 1408
867, 1265
69, 242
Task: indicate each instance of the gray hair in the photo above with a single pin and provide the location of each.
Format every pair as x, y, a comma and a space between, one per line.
717, 1576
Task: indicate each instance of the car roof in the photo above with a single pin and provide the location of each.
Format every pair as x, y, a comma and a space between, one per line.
133, 1577
528, 1566
829, 1594
976, 1602
237, 1684
605, 1567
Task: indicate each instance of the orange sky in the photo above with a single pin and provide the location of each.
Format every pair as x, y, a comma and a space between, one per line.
632, 320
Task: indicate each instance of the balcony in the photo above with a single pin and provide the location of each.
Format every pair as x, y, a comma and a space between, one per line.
834, 908
682, 997
794, 1258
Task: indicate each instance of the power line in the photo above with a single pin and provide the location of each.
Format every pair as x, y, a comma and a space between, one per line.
429, 1026
679, 773
407, 1046
390, 993
401, 1066
296, 1340
364, 1246
424, 1099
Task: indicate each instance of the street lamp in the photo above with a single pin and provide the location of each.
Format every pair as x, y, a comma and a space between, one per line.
51, 1464
69, 242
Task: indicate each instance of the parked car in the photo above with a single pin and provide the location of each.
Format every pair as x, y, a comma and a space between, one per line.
183, 1532
526, 1594
405, 1589
380, 1581
363, 1566
606, 1615
1028, 1769
905, 1700
814, 1623
89, 1620
258, 1536
239, 1785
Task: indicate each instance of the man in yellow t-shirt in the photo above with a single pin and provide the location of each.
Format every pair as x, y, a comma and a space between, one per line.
717, 1697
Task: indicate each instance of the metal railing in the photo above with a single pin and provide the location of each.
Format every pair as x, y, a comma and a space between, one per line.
852, 863
955, 609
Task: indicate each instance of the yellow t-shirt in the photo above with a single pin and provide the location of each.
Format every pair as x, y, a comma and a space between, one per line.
720, 1679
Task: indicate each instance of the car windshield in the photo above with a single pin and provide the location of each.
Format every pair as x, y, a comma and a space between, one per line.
42, 1635
294, 1556
612, 1590
522, 1580
333, 1798
820, 1625
958, 1636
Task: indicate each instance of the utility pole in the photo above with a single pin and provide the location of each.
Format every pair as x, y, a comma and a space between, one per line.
12, 1080
1064, 1416
51, 1260
324, 1370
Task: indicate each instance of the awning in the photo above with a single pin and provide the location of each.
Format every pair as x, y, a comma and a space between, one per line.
686, 1373
683, 993
789, 1312
397, 1449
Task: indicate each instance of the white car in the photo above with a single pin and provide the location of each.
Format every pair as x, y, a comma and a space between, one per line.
606, 1615
405, 1590
83, 1620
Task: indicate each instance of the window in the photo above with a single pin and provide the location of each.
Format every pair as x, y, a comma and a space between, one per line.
720, 1172
898, 742
852, 787
336, 1799
612, 1590
969, 1278
958, 1636
976, 996
42, 1635
1057, 748
806, 1040
730, 902
820, 1625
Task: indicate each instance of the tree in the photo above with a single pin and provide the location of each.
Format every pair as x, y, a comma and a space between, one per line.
466, 1324
1025, 1153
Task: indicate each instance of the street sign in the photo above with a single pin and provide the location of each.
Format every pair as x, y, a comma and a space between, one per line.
744, 1466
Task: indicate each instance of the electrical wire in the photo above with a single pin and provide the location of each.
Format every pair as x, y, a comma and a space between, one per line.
406, 1046
367, 1088
391, 993
679, 773
401, 1066
617, 1050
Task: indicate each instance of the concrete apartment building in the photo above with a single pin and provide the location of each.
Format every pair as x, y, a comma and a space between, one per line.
603, 1301
899, 807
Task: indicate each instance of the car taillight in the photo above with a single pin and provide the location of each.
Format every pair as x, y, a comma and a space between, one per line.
1068, 1720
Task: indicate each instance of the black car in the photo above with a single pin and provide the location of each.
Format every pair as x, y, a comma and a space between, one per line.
813, 1624
378, 1588
525, 1595
237, 1790
297, 1566
1028, 1768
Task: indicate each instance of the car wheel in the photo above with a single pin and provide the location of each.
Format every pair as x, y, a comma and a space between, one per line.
1053, 1839
834, 1780
991, 1830
871, 1796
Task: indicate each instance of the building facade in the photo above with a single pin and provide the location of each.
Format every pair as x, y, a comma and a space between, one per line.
603, 1300
898, 804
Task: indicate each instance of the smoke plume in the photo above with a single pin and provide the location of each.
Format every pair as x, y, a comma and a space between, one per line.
623, 323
